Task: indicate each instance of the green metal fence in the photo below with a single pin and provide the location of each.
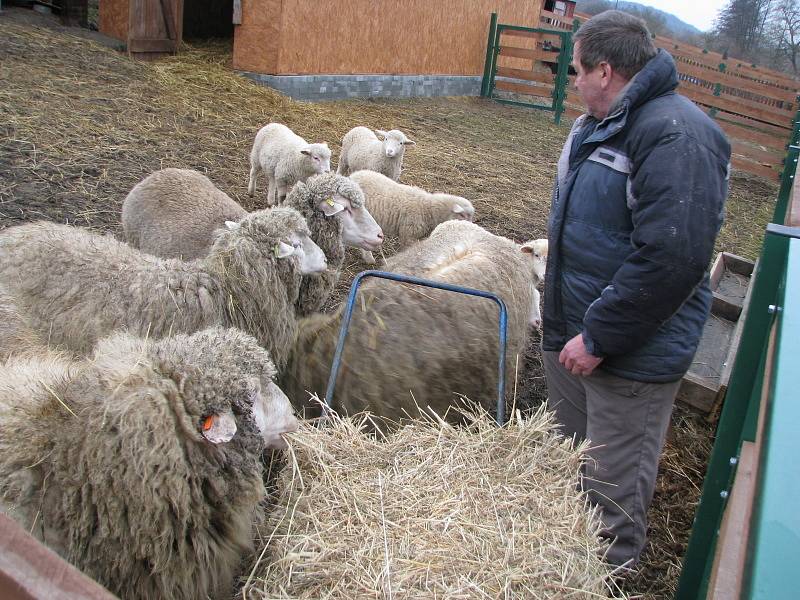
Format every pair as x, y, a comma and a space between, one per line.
527, 78
774, 539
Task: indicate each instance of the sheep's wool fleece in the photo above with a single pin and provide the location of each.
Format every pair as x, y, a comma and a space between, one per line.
432, 511
104, 460
325, 231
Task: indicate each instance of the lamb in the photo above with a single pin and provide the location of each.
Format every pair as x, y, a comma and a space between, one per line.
75, 287
407, 212
285, 158
363, 149
176, 211
142, 465
538, 251
172, 213
411, 348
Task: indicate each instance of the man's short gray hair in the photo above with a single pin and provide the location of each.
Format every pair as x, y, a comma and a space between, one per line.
617, 38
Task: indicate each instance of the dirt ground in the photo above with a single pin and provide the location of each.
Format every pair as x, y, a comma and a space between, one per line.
80, 124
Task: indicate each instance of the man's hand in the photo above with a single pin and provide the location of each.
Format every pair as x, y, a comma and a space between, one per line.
576, 359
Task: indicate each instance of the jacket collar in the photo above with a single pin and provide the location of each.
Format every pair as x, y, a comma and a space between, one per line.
658, 77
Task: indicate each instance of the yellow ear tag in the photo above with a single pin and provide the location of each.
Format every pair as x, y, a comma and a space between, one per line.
276, 249
330, 202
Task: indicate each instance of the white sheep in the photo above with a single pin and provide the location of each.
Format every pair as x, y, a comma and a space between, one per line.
141, 466
410, 347
285, 158
174, 212
406, 212
75, 287
380, 151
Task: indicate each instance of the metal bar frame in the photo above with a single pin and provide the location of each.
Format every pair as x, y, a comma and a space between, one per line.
351, 299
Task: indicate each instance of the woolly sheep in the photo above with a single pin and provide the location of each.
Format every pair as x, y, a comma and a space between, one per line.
17, 337
285, 158
337, 216
179, 219
363, 149
76, 287
173, 213
407, 212
142, 465
538, 251
412, 347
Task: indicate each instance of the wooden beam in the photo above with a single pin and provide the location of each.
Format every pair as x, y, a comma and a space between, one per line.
767, 140
169, 18
738, 106
237, 12
151, 45
547, 78
753, 167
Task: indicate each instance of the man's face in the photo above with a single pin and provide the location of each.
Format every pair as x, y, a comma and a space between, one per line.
590, 85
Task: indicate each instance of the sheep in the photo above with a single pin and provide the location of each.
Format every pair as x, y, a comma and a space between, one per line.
141, 466
17, 337
409, 347
337, 216
172, 213
176, 212
285, 158
537, 249
363, 149
75, 287
407, 212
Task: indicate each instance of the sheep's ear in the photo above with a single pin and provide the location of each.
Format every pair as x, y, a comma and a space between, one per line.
232, 225
409, 143
282, 250
305, 151
526, 248
380, 133
458, 209
219, 429
330, 208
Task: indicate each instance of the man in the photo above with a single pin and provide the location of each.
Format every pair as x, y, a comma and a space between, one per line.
637, 205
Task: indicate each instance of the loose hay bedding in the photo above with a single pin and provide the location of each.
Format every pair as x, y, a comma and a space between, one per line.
431, 511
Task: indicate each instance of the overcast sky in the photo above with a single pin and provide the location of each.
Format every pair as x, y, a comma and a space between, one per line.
700, 13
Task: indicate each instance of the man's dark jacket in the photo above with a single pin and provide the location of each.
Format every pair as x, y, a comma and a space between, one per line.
637, 205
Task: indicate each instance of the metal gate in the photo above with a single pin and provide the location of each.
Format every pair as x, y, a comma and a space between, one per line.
523, 83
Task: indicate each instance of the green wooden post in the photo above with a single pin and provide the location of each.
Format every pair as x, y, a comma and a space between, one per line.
487, 66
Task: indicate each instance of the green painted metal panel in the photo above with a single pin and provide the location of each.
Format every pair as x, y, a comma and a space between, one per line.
774, 548
745, 381
487, 65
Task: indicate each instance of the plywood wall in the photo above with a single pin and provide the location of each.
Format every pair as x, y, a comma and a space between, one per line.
439, 37
114, 18
256, 40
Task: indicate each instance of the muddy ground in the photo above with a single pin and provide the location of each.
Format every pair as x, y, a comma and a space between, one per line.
80, 124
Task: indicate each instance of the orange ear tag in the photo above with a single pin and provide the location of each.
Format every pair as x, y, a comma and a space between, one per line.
209, 421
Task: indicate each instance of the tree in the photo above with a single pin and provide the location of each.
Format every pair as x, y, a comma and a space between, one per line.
741, 25
786, 31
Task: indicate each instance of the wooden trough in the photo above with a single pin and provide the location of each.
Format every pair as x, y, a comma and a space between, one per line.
707, 380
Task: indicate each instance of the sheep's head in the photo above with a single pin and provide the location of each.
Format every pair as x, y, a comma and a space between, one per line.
318, 157
284, 233
394, 142
341, 198
537, 249
461, 209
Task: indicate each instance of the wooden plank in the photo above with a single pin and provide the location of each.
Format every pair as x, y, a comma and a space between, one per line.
754, 110
517, 33
695, 391
31, 571
793, 215
731, 80
521, 88
755, 168
751, 135
237, 12
143, 45
758, 155
728, 569
777, 132
715, 274
529, 53
727, 366
769, 105
169, 18
546, 78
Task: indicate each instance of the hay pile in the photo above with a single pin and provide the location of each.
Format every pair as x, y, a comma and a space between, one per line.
431, 511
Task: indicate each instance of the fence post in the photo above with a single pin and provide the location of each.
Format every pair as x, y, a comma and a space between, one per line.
488, 66
562, 76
